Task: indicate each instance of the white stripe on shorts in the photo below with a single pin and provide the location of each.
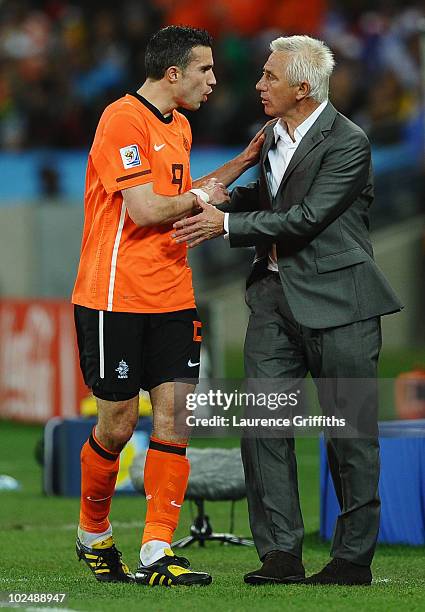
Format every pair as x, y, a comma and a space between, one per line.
101, 348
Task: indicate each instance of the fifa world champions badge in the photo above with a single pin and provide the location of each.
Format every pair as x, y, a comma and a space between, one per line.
130, 156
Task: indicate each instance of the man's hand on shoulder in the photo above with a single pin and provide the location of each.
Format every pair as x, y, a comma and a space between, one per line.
209, 223
251, 153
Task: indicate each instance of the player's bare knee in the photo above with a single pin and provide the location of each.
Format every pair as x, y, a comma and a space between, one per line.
117, 436
121, 436
116, 423
121, 429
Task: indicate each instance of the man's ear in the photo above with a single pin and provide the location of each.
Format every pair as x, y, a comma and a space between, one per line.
172, 74
303, 90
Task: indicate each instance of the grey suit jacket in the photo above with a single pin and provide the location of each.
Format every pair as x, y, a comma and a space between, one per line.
319, 222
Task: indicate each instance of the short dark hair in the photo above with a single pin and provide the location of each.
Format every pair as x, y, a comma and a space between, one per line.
172, 46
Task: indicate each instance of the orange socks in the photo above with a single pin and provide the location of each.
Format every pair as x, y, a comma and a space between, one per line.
166, 476
99, 469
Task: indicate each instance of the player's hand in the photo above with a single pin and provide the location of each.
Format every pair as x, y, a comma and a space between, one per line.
204, 226
251, 154
217, 191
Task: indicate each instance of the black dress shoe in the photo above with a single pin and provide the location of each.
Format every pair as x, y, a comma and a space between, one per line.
278, 567
340, 571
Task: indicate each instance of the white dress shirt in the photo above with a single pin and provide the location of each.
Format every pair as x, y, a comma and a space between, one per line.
279, 157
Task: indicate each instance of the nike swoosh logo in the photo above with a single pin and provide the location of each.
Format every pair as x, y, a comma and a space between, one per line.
158, 147
98, 500
192, 365
173, 503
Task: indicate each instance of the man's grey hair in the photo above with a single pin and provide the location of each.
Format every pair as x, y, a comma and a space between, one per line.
309, 60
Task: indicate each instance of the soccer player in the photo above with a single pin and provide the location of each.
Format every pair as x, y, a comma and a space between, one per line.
135, 314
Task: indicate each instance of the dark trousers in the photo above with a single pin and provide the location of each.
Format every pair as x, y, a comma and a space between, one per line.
277, 347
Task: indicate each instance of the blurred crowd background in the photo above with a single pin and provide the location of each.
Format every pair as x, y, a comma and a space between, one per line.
63, 61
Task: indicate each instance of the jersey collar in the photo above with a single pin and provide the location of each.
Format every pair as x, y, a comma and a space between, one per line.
153, 108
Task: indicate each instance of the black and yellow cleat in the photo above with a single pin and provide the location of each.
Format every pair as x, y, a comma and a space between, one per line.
105, 562
170, 571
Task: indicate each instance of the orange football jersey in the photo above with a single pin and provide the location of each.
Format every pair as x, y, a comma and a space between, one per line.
123, 267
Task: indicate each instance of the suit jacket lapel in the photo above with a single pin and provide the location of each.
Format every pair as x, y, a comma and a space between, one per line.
314, 136
265, 166
268, 142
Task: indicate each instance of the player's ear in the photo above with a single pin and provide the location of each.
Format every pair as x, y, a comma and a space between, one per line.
172, 74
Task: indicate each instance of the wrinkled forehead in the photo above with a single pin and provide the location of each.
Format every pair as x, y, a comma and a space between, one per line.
276, 63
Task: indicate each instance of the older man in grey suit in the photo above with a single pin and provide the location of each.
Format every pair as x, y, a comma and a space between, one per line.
316, 297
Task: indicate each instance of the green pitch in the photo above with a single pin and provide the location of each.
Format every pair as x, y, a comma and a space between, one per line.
38, 539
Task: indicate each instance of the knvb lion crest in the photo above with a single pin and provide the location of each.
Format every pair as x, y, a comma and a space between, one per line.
122, 369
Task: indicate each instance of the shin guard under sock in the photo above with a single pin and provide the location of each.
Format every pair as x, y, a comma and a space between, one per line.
166, 475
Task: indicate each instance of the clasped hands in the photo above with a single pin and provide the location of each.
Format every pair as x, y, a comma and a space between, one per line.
208, 222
